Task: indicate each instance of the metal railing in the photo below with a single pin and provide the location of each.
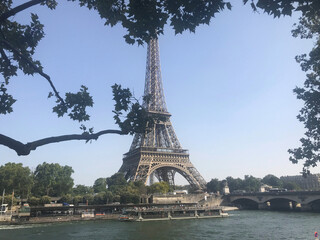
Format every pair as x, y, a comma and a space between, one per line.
152, 149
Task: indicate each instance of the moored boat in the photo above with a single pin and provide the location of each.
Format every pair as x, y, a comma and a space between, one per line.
154, 214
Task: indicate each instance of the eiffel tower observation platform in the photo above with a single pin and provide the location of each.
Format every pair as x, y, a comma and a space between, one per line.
158, 152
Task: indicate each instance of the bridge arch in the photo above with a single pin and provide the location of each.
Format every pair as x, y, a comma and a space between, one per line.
289, 198
282, 203
246, 203
313, 205
273, 202
311, 199
297, 200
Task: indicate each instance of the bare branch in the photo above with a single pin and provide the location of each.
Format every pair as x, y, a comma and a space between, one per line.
24, 149
38, 70
19, 8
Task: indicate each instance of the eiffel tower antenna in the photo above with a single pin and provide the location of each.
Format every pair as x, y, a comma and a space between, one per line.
158, 152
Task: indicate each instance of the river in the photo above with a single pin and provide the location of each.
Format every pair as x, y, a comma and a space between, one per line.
239, 225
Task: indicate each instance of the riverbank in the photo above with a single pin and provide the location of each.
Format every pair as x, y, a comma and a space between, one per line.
53, 219
70, 218
58, 219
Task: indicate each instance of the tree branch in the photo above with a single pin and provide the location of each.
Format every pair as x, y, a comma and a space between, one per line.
19, 8
24, 149
4, 56
36, 69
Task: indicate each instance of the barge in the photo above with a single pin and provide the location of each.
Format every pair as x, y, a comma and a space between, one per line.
155, 214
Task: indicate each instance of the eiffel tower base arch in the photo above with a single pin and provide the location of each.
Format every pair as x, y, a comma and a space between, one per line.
140, 164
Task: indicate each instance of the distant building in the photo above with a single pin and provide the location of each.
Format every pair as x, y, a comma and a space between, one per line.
264, 188
311, 182
225, 189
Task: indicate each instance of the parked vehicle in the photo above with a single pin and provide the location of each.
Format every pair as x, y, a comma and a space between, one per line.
239, 191
278, 190
4, 208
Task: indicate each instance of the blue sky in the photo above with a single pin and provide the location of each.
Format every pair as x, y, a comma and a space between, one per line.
228, 88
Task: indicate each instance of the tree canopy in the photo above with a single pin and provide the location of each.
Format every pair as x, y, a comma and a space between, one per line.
100, 185
309, 115
15, 177
272, 180
52, 179
159, 187
82, 190
214, 185
47, 181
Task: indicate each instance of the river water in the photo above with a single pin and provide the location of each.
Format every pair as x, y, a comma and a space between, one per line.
239, 225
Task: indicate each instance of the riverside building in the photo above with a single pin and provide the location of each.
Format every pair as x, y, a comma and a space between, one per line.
311, 182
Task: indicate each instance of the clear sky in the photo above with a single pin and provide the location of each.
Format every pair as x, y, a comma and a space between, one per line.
228, 88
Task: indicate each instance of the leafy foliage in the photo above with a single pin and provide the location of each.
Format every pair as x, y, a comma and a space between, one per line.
307, 28
45, 200
15, 177
130, 116
159, 187
77, 199
52, 180
76, 103
118, 190
214, 185
142, 19
235, 184
34, 201
100, 185
146, 19
67, 198
278, 8
82, 190
16, 38
9, 200
18, 43
6, 100
309, 115
272, 180
291, 186
105, 197
249, 183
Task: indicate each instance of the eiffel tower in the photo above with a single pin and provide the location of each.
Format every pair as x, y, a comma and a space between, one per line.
158, 152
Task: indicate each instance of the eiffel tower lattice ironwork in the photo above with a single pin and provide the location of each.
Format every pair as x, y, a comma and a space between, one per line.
158, 151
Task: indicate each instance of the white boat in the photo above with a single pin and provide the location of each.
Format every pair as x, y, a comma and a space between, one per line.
172, 213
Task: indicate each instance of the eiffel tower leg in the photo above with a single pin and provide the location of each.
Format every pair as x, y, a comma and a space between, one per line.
159, 175
171, 174
166, 175
151, 178
142, 173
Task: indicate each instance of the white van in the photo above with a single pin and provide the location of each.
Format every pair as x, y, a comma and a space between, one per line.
4, 208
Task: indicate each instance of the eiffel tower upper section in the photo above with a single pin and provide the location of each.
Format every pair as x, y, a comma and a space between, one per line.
153, 82
164, 135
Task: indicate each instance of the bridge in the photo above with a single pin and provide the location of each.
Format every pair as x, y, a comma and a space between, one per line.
288, 200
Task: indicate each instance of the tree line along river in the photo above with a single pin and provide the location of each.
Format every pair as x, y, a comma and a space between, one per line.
242, 224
